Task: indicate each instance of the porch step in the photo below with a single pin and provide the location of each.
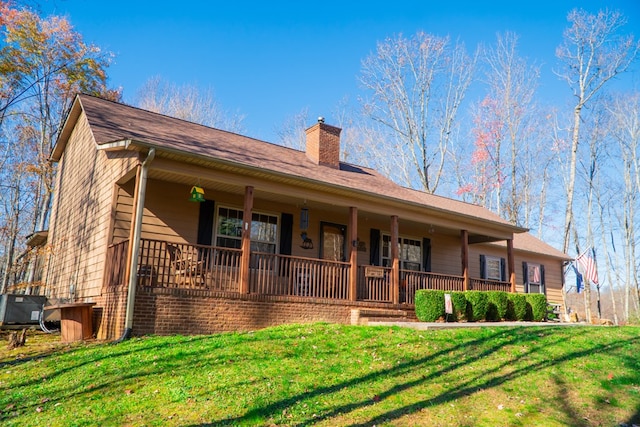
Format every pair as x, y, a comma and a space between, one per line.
371, 316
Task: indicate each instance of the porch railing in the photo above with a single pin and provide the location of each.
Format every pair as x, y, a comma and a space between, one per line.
185, 266
411, 281
164, 264
489, 285
374, 283
116, 264
272, 274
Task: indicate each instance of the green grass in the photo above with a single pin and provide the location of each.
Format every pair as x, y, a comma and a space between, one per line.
330, 375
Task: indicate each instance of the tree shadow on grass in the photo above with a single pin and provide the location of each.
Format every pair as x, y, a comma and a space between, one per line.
487, 345
94, 382
468, 389
518, 336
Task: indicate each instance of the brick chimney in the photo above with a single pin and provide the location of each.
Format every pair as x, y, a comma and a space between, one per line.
323, 144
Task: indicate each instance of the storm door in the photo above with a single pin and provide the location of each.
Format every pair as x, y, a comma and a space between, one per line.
332, 245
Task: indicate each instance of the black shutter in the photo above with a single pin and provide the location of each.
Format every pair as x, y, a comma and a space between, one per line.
205, 222
503, 272
525, 277
374, 243
543, 287
483, 267
426, 254
286, 233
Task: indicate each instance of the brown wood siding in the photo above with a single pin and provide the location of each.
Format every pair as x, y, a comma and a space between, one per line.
446, 255
82, 214
123, 207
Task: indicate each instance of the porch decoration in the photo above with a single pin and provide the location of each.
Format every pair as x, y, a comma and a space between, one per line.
304, 219
307, 243
197, 194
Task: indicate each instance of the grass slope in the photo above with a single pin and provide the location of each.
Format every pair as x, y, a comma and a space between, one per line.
330, 375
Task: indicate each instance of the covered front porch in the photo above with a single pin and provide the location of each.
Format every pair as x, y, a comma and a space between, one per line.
169, 265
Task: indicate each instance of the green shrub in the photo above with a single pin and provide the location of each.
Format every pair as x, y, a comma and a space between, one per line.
429, 305
517, 307
477, 304
498, 305
459, 302
538, 304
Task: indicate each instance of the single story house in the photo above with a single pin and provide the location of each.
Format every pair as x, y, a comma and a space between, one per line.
275, 235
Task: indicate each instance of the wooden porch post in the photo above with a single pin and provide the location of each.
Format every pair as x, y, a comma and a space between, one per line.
353, 253
246, 240
464, 236
511, 265
395, 263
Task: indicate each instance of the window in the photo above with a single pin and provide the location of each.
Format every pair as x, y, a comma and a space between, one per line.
409, 253
492, 268
534, 279
264, 230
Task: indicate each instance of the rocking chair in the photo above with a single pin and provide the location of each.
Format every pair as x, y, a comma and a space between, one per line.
187, 269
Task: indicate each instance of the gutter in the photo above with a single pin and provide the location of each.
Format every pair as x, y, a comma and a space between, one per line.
135, 242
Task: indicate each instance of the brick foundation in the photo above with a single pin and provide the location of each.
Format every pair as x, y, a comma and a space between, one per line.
162, 311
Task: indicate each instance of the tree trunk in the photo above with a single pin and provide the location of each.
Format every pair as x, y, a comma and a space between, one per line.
17, 339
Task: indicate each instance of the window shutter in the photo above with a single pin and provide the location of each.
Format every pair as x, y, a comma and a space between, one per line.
525, 277
483, 267
543, 287
286, 233
205, 222
503, 270
426, 254
374, 244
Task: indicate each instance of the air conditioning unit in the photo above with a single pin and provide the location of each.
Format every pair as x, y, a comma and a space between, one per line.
20, 309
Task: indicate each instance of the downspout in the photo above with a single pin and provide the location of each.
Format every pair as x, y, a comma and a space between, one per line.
135, 242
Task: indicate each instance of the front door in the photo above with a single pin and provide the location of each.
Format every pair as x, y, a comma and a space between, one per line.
333, 237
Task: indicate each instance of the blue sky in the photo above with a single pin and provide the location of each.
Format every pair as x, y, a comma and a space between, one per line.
270, 60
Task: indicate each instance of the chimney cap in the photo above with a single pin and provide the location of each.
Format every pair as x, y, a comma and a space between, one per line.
320, 119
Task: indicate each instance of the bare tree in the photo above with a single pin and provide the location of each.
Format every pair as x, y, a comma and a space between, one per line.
417, 85
292, 132
592, 54
625, 128
512, 82
187, 102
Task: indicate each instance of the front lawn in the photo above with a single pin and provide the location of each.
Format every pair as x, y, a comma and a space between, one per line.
330, 375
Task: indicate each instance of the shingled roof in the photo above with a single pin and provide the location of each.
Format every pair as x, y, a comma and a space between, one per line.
111, 122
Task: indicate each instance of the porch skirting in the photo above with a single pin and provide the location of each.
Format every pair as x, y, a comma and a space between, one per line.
167, 311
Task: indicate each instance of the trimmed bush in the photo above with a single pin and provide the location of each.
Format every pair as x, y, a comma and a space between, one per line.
459, 305
477, 305
498, 305
517, 307
429, 305
538, 303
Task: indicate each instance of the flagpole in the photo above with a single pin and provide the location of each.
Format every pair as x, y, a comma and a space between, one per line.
587, 288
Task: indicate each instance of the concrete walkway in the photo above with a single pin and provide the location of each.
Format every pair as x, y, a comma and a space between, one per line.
454, 325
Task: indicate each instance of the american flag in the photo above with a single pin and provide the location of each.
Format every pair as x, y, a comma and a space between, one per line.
587, 262
536, 274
